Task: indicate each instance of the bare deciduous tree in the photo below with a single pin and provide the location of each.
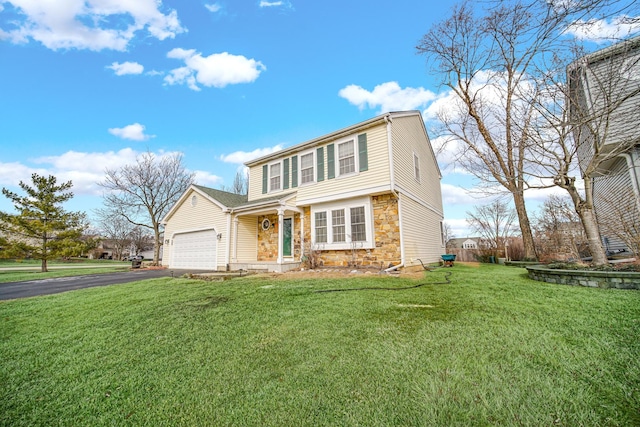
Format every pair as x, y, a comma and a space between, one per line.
144, 192
491, 63
558, 229
582, 120
447, 235
494, 223
116, 229
239, 185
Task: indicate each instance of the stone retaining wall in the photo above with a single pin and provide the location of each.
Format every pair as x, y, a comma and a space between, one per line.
593, 279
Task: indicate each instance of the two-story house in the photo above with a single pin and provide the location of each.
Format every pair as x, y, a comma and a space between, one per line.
605, 94
364, 196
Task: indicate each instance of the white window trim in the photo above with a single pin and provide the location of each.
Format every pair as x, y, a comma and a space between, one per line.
346, 205
356, 157
269, 176
417, 172
314, 166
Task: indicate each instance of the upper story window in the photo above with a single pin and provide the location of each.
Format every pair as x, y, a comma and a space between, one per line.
307, 168
275, 177
416, 167
346, 158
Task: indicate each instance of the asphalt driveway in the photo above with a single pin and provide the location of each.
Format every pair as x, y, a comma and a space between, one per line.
32, 288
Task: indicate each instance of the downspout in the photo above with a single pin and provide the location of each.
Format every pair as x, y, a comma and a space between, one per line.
227, 249
392, 179
392, 182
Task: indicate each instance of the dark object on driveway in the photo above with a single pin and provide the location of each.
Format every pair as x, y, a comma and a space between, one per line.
448, 259
136, 263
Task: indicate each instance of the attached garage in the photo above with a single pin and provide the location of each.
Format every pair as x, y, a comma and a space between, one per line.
195, 250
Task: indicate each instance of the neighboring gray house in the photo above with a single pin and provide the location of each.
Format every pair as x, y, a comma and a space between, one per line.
605, 90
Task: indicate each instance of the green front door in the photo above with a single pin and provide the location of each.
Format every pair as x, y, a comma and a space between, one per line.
287, 228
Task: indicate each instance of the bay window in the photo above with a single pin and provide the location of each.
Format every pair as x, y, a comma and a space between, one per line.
343, 225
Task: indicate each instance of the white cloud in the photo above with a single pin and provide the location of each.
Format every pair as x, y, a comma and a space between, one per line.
12, 173
455, 195
264, 3
77, 167
213, 7
207, 179
459, 227
134, 132
86, 162
241, 157
216, 70
126, 68
601, 31
387, 96
90, 24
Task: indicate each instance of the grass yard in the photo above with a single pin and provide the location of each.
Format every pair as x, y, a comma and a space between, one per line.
23, 270
491, 348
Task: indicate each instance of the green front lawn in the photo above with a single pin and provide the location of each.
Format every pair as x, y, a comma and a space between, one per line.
29, 269
491, 348
35, 263
21, 276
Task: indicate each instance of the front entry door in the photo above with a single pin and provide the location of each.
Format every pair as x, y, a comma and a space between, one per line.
287, 229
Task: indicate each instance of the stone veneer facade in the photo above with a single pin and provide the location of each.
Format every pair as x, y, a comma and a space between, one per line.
386, 224
268, 239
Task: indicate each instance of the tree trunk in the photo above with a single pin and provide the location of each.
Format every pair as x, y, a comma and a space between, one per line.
156, 247
587, 215
591, 229
525, 227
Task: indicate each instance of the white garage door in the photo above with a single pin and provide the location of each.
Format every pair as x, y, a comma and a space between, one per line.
195, 250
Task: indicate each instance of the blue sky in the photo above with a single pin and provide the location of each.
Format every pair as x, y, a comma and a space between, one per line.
87, 85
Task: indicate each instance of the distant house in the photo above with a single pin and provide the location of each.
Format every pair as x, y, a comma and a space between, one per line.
366, 195
465, 243
606, 78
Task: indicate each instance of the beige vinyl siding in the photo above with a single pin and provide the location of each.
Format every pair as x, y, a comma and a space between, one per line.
420, 233
255, 183
377, 174
205, 215
247, 246
409, 137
